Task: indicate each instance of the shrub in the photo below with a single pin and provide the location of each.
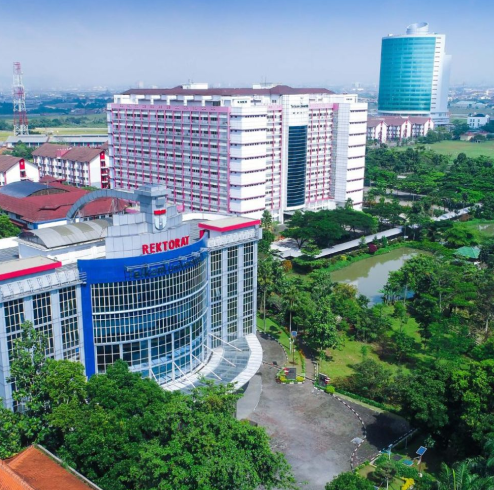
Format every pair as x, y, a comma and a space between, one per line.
300, 379
287, 265
329, 389
282, 379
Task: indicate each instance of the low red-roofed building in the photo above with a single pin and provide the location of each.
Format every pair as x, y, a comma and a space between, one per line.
395, 128
79, 166
37, 469
14, 169
376, 130
33, 205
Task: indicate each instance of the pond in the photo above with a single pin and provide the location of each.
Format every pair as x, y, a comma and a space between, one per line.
370, 275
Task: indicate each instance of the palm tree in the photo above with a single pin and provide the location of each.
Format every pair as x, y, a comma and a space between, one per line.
265, 281
290, 297
460, 477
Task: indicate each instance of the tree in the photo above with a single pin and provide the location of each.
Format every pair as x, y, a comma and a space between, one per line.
28, 370
7, 228
133, 435
404, 344
349, 481
460, 477
21, 150
11, 435
322, 332
385, 471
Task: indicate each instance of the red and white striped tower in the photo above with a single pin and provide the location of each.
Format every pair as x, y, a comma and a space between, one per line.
21, 127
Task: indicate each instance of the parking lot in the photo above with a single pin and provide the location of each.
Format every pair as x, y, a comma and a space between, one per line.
312, 428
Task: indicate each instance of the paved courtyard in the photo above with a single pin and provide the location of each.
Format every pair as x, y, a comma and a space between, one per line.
313, 429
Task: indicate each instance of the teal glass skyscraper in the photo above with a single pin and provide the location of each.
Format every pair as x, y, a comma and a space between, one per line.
414, 78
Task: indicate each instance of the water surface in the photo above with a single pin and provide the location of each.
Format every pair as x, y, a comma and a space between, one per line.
370, 275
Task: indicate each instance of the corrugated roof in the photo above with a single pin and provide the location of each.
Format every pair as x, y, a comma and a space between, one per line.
61, 236
7, 162
277, 90
24, 188
27, 139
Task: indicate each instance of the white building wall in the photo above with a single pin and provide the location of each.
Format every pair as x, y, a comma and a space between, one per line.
253, 159
13, 174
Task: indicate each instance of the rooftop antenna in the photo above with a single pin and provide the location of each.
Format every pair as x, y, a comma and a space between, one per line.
21, 127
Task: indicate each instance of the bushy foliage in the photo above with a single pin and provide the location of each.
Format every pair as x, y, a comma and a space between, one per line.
125, 432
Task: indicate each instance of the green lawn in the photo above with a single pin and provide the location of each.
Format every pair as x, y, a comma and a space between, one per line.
454, 147
341, 361
61, 131
5, 134
484, 227
73, 130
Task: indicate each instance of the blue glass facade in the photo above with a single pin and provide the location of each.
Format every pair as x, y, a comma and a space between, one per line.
148, 310
407, 65
297, 161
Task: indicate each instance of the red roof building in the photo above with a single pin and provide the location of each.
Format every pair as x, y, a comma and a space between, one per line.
37, 469
14, 169
79, 166
33, 205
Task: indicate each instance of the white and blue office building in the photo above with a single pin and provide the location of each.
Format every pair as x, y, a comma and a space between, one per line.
171, 294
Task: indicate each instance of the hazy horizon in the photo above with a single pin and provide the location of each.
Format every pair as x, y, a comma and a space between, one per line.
119, 44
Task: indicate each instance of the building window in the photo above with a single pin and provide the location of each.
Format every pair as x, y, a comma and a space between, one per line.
232, 258
106, 356
14, 315
248, 254
42, 319
70, 339
216, 262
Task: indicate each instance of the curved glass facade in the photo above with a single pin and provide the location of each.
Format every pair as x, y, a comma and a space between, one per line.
407, 66
297, 161
155, 324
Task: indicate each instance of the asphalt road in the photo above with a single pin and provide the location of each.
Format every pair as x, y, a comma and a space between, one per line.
313, 429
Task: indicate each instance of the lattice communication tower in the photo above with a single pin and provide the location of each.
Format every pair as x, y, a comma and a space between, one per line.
21, 127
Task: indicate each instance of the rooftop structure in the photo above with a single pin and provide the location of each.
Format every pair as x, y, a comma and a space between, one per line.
240, 150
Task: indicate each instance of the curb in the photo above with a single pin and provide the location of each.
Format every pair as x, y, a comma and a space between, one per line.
353, 462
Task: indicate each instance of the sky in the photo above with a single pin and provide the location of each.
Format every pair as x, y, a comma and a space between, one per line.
329, 43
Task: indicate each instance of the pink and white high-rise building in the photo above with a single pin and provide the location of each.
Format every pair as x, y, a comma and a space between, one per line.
241, 150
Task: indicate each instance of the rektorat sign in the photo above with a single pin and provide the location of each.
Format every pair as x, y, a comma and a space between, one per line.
157, 247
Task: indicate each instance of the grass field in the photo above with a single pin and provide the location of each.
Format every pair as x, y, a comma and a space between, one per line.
485, 228
340, 361
61, 131
74, 130
452, 148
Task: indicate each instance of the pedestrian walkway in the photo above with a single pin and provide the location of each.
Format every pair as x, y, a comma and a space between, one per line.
288, 248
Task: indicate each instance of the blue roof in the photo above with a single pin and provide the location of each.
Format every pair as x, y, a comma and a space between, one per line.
24, 188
